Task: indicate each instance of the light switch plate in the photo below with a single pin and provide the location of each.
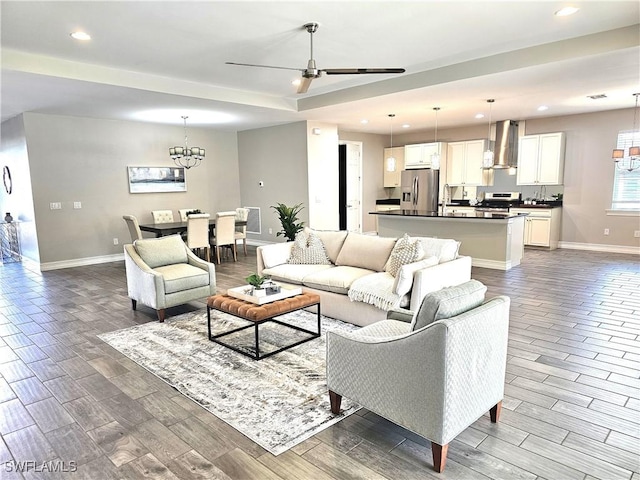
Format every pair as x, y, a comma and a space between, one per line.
77, 205
55, 206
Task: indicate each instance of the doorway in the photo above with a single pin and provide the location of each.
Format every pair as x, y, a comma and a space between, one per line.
350, 186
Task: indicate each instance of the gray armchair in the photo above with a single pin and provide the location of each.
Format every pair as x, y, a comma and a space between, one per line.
434, 373
163, 272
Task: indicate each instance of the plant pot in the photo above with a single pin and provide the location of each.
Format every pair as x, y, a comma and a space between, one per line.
259, 292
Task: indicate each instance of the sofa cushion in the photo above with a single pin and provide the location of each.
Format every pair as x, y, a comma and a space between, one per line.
335, 279
405, 251
308, 249
275, 254
182, 276
444, 248
404, 279
365, 251
375, 289
332, 241
156, 252
449, 302
293, 273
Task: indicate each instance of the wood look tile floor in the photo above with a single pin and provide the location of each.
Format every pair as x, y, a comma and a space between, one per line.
571, 410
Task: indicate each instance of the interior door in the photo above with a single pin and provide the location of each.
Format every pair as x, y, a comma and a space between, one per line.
354, 186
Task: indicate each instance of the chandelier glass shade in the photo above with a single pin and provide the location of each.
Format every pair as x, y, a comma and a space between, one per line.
487, 158
390, 161
186, 156
632, 161
435, 156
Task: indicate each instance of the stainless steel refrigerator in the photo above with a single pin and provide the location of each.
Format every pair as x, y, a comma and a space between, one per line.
419, 189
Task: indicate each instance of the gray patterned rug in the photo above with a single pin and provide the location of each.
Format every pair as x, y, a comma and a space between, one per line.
277, 402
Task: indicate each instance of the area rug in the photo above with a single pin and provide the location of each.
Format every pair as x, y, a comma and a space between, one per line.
277, 402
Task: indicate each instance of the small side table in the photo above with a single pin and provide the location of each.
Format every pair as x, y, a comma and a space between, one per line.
10, 242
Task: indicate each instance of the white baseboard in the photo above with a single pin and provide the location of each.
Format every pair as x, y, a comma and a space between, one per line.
81, 262
258, 243
596, 247
494, 264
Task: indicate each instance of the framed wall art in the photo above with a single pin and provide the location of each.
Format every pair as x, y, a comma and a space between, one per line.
157, 179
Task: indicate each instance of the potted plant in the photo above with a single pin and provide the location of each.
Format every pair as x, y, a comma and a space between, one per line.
256, 282
289, 220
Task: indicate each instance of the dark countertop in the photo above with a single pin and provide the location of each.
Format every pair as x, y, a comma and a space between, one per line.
388, 201
461, 215
540, 206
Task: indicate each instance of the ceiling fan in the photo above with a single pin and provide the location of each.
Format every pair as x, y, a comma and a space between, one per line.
311, 72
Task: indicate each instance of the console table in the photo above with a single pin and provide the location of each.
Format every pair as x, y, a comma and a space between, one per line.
10, 242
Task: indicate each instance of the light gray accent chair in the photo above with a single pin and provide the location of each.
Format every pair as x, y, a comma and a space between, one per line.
433, 373
134, 227
163, 272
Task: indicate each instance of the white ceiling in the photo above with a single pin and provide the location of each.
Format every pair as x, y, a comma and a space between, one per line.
155, 61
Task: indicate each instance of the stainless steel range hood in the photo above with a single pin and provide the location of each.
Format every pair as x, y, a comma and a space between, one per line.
506, 146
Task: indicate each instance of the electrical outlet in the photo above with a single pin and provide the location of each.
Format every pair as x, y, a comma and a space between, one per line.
115, 241
606, 231
636, 234
77, 205
271, 231
55, 206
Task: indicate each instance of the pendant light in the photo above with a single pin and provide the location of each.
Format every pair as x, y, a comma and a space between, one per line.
634, 151
186, 156
435, 156
391, 160
487, 158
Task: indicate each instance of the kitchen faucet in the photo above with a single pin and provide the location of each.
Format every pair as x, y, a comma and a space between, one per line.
543, 193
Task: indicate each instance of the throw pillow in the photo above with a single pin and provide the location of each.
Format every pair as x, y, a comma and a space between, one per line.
308, 249
405, 251
365, 251
157, 252
404, 278
449, 302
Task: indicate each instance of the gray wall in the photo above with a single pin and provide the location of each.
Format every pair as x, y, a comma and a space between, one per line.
20, 201
84, 159
276, 156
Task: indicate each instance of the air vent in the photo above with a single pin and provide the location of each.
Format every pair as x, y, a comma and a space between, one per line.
597, 97
254, 223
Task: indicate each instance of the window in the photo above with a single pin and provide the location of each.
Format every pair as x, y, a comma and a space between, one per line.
626, 184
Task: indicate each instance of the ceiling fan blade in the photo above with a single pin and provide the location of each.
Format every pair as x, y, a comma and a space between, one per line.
304, 85
358, 71
264, 66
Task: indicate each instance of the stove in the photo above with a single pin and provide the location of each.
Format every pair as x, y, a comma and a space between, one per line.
498, 202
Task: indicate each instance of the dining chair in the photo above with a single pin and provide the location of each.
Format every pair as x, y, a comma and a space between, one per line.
162, 216
183, 213
225, 233
241, 230
134, 227
198, 233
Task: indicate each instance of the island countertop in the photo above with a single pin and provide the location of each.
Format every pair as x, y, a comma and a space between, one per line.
456, 215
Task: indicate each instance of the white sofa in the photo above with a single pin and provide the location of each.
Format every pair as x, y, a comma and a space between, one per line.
353, 259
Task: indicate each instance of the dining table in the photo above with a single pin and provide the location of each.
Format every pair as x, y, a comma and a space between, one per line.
171, 228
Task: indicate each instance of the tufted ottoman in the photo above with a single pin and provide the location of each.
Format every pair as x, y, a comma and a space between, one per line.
259, 314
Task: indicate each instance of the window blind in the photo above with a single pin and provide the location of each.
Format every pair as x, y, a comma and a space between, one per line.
626, 184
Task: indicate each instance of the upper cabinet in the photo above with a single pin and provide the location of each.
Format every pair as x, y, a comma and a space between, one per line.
541, 159
464, 164
392, 169
419, 154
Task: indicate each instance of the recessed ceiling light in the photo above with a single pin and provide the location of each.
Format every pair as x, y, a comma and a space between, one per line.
364, 121
479, 115
542, 108
406, 125
597, 97
80, 36
563, 12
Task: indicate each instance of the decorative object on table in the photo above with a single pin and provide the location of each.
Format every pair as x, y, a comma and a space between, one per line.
186, 156
8, 218
268, 294
6, 179
194, 212
277, 402
632, 161
157, 179
289, 220
256, 282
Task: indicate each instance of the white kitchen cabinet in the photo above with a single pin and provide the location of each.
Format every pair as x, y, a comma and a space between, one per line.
391, 178
464, 164
419, 155
541, 226
541, 159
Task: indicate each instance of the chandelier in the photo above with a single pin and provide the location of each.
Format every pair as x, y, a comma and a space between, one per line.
633, 161
186, 156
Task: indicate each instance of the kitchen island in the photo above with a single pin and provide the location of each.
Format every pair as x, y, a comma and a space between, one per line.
492, 240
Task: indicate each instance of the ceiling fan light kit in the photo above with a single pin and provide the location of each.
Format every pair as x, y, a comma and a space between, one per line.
312, 71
